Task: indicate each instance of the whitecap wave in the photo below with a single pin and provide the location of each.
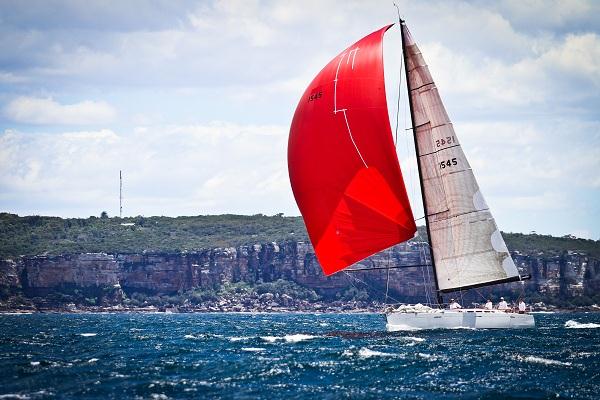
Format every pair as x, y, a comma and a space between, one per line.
253, 349
298, 337
367, 353
191, 337
16, 313
540, 360
411, 340
87, 334
238, 338
92, 360
429, 357
571, 324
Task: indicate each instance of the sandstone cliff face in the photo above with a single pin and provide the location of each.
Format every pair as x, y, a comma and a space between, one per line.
107, 276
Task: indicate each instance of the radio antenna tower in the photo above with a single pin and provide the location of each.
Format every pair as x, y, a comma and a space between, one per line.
120, 195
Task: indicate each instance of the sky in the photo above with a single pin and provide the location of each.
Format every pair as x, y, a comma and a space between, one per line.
193, 102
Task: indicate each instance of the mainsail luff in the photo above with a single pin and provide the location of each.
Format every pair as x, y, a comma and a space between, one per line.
466, 244
423, 197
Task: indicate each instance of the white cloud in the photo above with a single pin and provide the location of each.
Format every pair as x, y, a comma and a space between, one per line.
579, 55
219, 167
566, 72
245, 20
548, 14
46, 111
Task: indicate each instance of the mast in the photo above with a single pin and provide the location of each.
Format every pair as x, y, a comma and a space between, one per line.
439, 298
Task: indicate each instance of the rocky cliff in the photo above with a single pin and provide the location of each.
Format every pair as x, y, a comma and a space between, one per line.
108, 279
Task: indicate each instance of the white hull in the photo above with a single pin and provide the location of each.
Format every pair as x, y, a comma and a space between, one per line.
453, 319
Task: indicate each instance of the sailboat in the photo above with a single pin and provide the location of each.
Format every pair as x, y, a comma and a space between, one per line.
347, 182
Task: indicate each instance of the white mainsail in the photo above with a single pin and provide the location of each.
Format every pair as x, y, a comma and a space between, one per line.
468, 248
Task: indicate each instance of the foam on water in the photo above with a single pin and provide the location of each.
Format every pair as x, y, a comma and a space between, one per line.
571, 324
239, 338
298, 337
367, 353
413, 340
253, 349
87, 334
540, 360
428, 357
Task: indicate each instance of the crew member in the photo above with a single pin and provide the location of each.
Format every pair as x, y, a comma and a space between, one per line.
454, 305
503, 305
488, 305
522, 306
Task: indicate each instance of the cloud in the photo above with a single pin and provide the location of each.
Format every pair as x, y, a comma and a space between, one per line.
563, 76
536, 15
40, 111
219, 167
579, 55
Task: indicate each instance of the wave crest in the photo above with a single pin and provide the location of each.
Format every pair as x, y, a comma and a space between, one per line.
572, 324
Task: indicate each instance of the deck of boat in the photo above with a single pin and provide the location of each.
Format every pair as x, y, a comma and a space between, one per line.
474, 318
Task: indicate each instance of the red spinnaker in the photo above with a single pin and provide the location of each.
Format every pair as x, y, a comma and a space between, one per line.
342, 161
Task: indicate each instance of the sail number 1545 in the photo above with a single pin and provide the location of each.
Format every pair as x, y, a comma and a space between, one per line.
448, 163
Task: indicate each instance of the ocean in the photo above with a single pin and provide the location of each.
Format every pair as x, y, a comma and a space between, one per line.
291, 356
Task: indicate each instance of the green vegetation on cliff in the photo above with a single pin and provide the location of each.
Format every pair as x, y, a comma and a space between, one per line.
34, 235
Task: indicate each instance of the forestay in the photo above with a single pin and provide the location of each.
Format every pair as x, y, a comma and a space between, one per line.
468, 248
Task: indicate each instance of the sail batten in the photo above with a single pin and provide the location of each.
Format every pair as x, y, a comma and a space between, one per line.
467, 246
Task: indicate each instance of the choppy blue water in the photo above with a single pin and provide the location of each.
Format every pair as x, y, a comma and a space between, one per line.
291, 356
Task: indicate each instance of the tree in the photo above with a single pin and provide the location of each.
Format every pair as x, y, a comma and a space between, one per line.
104, 215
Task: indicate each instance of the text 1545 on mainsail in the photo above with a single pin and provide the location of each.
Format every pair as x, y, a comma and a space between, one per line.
349, 187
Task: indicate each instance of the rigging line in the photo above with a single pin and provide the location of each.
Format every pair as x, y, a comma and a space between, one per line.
428, 288
387, 280
421, 245
369, 286
393, 267
422, 256
424, 282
